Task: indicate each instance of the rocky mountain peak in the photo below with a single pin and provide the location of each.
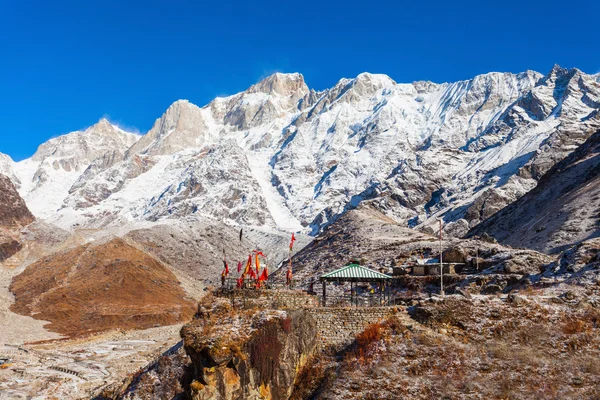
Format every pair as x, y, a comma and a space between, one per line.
180, 127
559, 74
281, 84
7, 168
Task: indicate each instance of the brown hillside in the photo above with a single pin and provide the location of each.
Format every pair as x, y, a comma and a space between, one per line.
95, 288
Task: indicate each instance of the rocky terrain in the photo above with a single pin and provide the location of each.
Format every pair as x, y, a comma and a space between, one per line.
562, 210
472, 349
385, 244
77, 368
528, 344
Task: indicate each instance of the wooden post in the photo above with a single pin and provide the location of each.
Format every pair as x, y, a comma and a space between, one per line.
324, 293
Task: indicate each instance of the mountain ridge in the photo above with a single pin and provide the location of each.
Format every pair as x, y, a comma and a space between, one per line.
414, 151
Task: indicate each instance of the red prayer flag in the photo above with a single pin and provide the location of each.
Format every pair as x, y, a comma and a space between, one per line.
225, 268
239, 267
248, 265
264, 276
292, 241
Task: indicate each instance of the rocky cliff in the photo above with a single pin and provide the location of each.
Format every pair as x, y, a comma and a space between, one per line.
14, 215
233, 355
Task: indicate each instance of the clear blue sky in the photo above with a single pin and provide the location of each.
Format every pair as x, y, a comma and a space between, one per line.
64, 65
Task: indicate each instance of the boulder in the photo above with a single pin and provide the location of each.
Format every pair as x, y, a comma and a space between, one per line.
491, 289
515, 300
455, 254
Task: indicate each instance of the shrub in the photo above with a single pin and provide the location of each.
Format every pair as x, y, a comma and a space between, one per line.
573, 326
371, 334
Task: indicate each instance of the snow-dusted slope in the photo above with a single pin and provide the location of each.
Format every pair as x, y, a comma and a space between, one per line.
563, 210
283, 155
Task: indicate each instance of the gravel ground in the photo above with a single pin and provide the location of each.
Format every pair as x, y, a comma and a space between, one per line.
18, 329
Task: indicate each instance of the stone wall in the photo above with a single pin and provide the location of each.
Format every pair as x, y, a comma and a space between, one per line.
338, 326
292, 299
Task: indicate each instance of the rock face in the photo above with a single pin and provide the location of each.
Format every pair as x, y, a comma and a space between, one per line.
282, 155
14, 215
256, 357
94, 288
562, 210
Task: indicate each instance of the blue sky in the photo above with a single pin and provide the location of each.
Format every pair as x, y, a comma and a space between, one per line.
66, 64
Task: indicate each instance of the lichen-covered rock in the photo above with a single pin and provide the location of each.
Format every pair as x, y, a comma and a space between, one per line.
238, 356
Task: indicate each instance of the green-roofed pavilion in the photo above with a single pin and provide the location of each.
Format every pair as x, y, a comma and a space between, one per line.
355, 274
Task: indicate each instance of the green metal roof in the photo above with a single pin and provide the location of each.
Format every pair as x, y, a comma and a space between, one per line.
355, 271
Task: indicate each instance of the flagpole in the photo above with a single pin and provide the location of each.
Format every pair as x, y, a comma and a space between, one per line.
441, 262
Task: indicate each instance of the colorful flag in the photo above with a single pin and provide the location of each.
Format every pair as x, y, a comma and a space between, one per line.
248, 265
257, 262
264, 276
292, 241
239, 267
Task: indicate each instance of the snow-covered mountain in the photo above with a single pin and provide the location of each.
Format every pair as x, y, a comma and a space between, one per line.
282, 155
45, 179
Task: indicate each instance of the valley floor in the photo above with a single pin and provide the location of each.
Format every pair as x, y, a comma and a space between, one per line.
80, 368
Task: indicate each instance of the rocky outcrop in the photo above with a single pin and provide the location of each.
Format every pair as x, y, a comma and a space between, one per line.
247, 357
9, 246
14, 213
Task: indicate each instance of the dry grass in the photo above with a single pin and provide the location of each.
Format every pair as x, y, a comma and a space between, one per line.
499, 352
